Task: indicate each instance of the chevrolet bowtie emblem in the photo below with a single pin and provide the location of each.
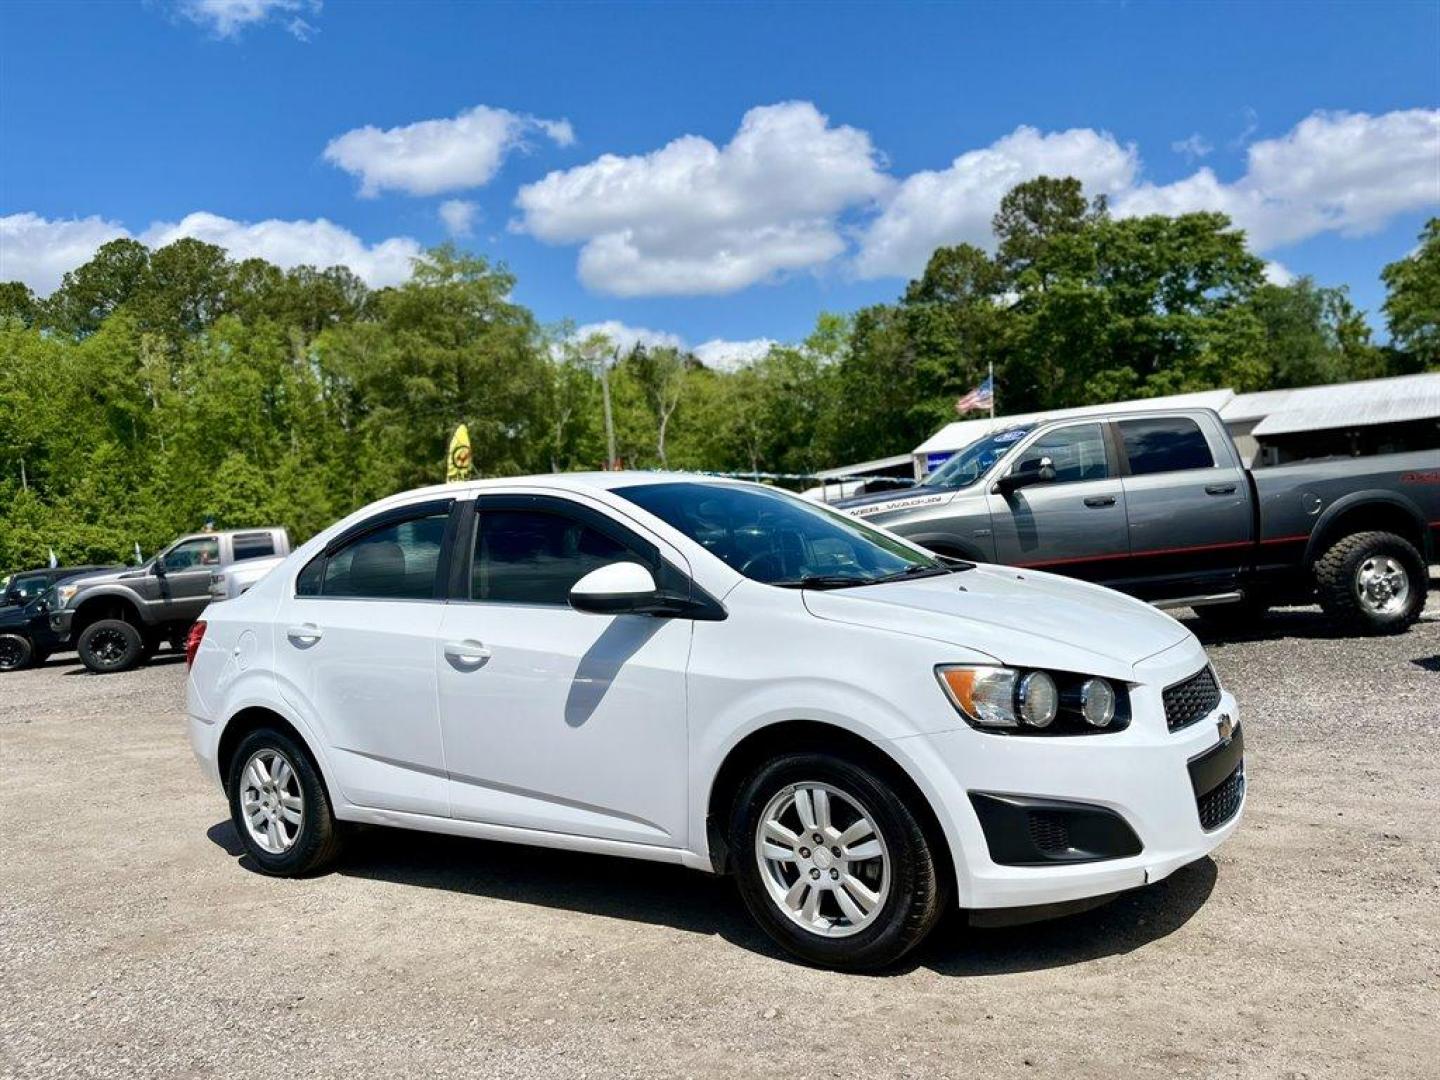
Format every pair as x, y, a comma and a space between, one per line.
1226, 726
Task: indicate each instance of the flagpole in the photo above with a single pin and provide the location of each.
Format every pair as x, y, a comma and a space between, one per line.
992, 395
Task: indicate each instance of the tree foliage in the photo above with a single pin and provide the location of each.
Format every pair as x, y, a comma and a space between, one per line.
156, 390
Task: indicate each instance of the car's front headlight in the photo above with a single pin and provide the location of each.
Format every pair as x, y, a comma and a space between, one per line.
1032, 702
64, 593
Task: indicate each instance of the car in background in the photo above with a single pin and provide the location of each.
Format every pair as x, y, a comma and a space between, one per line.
723, 676
26, 638
1159, 505
117, 620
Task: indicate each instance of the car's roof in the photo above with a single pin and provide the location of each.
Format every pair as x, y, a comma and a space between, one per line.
575, 481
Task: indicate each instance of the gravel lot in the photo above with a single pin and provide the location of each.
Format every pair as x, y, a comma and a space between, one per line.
134, 942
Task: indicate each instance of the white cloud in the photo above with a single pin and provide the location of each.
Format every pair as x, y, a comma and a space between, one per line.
1333, 172
730, 355
227, 18
627, 337
1192, 146
1277, 273
955, 205
431, 156
459, 217
693, 218
716, 353
38, 251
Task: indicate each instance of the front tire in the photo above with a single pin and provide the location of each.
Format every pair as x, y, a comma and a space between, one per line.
110, 645
16, 652
279, 806
1372, 583
863, 895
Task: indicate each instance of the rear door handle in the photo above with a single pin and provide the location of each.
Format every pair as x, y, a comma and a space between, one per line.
1100, 500
466, 654
1219, 489
304, 634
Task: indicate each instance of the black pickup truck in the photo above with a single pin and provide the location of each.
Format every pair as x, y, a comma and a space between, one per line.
1159, 505
25, 634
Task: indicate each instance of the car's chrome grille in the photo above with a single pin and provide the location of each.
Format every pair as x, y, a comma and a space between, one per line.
1192, 699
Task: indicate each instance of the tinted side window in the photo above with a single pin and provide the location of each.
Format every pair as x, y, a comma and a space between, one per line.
1168, 444
253, 546
202, 551
1077, 452
534, 556
397, 562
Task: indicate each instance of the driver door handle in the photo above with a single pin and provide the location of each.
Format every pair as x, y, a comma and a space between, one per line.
304, 633
1219, 489
1100, 500
469, 654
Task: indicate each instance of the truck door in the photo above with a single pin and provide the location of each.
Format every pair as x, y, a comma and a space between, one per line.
184, 587
1069, 514
1188, 503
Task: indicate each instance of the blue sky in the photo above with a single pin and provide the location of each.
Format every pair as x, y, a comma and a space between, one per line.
1318, 127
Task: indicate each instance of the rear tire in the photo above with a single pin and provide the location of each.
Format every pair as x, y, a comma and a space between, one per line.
110, 645
1372, 583
279, 806
16, 652
893, 891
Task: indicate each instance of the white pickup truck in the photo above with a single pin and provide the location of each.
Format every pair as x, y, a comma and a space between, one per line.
234, 580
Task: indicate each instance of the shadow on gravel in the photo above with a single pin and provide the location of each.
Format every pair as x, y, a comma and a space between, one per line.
162, 659
703, 904
1429, 663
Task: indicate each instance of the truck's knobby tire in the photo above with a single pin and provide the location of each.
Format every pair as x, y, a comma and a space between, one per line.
317, 841
16, 652
110, 645
1239, 616
917, 891
1338, 576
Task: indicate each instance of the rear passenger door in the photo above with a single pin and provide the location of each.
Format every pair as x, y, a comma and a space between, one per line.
1074, 524
1188, 507
355, 655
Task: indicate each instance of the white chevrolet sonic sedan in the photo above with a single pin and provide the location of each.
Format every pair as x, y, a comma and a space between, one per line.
724, 676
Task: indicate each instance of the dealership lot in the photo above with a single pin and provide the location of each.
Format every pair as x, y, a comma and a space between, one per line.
135, 942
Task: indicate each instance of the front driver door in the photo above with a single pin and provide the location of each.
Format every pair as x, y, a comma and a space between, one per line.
183, 590
555, 719
1073, 524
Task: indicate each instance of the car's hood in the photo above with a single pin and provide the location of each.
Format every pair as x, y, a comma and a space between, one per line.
104, 577
1020, 617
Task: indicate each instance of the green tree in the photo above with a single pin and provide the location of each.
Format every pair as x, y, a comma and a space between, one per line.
1412, 301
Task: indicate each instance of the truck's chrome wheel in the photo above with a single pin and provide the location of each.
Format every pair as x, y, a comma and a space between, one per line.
1382, 585
271, 801
822, 860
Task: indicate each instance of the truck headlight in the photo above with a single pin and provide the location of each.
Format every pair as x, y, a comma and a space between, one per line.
1033, 702
64, 594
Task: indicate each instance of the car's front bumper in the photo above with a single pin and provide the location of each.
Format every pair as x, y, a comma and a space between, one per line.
60, 623
1141, 775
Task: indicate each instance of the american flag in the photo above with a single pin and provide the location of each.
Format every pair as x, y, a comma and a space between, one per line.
982, 397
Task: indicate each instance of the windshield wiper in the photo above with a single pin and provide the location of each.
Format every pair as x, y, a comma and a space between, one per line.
920, 570
824, 581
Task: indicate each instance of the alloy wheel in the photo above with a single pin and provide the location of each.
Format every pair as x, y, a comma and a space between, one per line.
822, 860
1382, 585
108, 646
271, 801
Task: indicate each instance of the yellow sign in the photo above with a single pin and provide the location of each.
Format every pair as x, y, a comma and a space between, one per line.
458, 462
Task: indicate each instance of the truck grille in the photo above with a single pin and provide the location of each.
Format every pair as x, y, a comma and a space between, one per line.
1191, 699
1220, 804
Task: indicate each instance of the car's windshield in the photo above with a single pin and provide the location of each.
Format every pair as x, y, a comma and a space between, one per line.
780, 539
22, 590
974, 461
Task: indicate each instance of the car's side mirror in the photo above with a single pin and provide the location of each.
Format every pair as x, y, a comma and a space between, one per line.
616, 589
159, 566
1028, 473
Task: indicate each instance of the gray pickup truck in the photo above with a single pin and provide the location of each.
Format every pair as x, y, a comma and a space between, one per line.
1159, 505
116, 620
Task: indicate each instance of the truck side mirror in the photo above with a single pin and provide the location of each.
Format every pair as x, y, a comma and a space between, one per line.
1027, 474
159, 566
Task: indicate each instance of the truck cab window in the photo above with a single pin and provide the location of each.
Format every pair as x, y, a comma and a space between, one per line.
1077, 452
1165, 444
